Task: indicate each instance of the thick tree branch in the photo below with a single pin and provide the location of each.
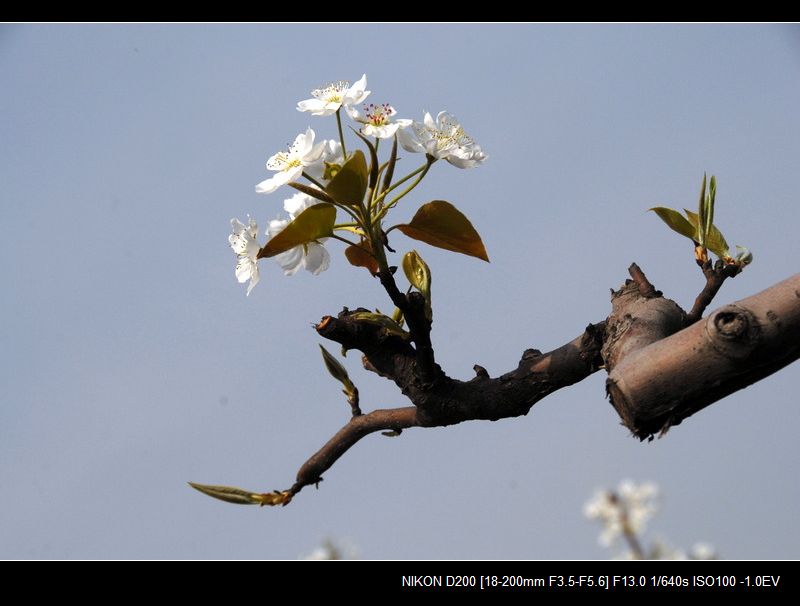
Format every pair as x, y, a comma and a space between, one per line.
659, 371
447, 401
661, 384
640, 315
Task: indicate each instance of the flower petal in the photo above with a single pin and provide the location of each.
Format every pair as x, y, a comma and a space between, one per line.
356, 93
463, 157
254, 278
304, 142
315, 106
290, 260
275, 227
409, 141
331, 154
298, 203
317, 258
355, 114
381, 132
278, 179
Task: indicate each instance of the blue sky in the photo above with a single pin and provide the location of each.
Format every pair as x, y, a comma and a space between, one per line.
134, 362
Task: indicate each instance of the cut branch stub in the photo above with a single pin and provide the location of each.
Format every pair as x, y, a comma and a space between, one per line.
640, 316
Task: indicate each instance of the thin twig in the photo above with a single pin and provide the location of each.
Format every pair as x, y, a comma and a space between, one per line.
413, 308
394, 419
715, 276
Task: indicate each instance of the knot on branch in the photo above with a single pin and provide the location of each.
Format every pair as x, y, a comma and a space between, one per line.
731, 325
733, 331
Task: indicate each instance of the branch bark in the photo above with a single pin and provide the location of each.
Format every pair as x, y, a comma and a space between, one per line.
660, 384
660, 372
445, 401
715, 275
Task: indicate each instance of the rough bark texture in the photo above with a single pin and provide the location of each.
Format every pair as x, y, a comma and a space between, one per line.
640, 315
663, 366
660, 384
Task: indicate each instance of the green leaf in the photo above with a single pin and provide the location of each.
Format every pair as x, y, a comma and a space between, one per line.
441, 224
715, 241
693, 219
419, 274
313, 223
229, 494
338, 372
373, 160
238, 496
675, 221
389, 325
314, 192
387, 177
397, 316
701, 211
350, 183
710, 197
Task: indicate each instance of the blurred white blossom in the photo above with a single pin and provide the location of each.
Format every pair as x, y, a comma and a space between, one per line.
330, 550
623, 512
702, 551
624, 515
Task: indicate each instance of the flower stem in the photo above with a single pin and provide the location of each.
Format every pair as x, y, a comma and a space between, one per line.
345, 240
313, 180
349, 243
394, 185
631, 538
397, 198
341, 133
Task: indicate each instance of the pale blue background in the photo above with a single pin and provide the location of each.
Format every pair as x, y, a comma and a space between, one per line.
132, 360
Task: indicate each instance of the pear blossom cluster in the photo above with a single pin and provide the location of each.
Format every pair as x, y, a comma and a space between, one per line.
624, 515
317, 160
625, 511
333, 550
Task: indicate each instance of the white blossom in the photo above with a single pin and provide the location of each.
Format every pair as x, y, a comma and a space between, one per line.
328, 99
330, 550
376, 120
320, 169
444, 139
703, 551
244, 243
626, 511
312, 256
289, 165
